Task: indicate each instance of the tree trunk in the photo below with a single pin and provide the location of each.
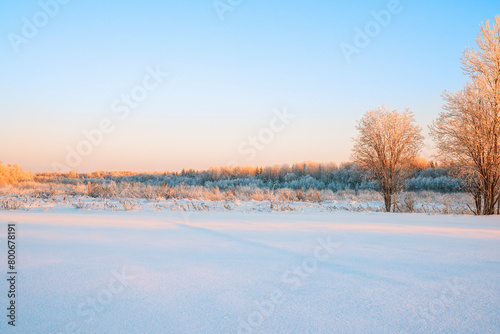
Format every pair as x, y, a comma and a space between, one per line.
388, 202
478, 200
489, 200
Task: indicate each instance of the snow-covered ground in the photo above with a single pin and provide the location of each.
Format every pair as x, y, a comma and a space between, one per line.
87, 271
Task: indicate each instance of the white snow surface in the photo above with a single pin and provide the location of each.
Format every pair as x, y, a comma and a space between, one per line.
252, 272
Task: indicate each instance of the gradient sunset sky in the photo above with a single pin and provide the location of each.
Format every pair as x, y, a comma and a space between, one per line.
225, 78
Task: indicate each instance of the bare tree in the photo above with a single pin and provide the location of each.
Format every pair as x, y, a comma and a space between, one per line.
387, 144
467, 132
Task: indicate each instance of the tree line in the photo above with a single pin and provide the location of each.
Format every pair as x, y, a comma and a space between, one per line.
426, 176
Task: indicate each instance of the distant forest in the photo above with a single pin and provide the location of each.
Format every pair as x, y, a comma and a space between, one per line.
308, 175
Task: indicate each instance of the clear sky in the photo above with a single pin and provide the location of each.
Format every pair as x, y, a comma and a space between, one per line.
69, 69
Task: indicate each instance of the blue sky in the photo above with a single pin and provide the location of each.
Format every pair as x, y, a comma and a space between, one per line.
225, 78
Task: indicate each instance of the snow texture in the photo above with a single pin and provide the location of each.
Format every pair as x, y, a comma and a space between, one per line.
83, 271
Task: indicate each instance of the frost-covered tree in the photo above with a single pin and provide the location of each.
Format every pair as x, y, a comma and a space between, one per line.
467, 132
11, 174
387, 145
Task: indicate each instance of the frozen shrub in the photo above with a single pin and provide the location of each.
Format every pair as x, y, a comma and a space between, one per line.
79, 190
409, 203
286, 195
406, 203
216, 195
230, 195
80, 204
150, 192
167, 192
14, 203
313, 195
300, 195
128, 205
